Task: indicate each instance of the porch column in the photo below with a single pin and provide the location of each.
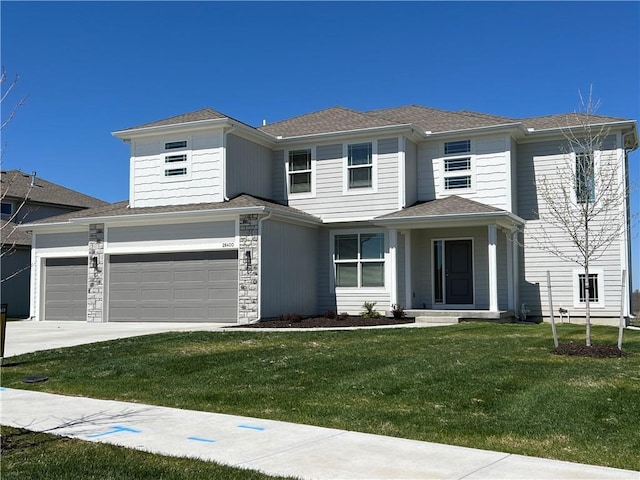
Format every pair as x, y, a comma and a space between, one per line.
510, 276
393, 267
493, 267
408, 288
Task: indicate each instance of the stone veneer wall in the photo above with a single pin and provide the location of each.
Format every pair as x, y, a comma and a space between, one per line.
248, 274
95, 280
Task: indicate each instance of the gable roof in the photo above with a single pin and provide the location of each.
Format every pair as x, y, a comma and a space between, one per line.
122, 209
196, 116
452, 205
335, 119
17, 184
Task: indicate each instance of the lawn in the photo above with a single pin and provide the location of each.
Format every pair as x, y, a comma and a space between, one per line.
479, 385
34, 456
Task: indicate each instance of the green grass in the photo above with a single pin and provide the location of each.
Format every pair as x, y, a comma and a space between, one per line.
478, 385
34, 456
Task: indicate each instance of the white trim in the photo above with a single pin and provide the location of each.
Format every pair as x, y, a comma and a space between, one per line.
407, 270
508, 166
492, 259
444, 304
300, 195
600, 304
374, 168
402, 176
393, 267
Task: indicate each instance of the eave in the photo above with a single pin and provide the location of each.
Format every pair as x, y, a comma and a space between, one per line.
502, 218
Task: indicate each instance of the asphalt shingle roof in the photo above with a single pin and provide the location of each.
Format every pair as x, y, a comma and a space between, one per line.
122, 209
12, 236
198, 115
17, 184
452, 205
566, 120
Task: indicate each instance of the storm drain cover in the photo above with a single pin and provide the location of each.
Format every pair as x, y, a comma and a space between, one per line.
35, 379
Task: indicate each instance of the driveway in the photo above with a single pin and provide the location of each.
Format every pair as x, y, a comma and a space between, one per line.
29, 336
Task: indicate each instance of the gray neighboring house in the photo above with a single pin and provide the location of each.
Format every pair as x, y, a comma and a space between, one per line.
27, 198
411, 205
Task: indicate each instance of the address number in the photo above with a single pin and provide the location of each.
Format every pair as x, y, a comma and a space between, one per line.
228, 245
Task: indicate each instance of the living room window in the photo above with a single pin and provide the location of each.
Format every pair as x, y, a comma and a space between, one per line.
300, 171
359, 260
360, 165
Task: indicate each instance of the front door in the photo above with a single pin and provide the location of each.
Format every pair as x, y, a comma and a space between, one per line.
458, 270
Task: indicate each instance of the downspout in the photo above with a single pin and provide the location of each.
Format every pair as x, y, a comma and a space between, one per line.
224, 162
260, 266
629, 288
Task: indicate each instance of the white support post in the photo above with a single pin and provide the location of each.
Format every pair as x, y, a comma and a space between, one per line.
393, 267
407, 271
493, 267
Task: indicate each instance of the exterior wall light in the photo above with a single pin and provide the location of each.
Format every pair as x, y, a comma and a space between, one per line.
247, 258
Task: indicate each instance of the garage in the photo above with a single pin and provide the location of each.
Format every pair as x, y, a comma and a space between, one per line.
174, 287
66, 289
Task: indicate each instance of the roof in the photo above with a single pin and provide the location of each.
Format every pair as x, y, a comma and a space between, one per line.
335, 119
567, 120
11, 235
17, 184
198, 115
452, 205
122, 209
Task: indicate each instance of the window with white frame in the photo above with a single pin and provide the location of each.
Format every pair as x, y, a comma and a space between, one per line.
591, 288
457, 169
299, 170
359, 260
585, 178
360, 165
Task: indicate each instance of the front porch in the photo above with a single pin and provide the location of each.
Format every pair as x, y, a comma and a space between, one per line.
457, 316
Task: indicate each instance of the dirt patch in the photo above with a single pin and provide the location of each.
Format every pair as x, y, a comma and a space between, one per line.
323, 322
594, 351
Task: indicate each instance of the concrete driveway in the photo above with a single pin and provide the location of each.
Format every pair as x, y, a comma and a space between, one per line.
28, 336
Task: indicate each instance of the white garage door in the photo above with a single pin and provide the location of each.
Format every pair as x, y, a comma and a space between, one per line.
65, 289
174, 287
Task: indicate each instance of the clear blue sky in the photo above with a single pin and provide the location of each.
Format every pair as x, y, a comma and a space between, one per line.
90, 68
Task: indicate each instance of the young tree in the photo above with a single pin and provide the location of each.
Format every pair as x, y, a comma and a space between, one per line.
584, 198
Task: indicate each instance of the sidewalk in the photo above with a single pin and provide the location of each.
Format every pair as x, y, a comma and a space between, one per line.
277, 448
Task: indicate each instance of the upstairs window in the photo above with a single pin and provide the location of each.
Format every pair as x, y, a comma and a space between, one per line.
453, 183
457, 164
175, 158
460, 146
585, 178
299, 170
175, 145
175, 172
359, 260
360, 165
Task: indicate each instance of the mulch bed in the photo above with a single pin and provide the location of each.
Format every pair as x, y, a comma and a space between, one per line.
594, 351
320, 322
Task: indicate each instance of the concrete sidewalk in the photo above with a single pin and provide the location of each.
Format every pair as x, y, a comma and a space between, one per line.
277, 448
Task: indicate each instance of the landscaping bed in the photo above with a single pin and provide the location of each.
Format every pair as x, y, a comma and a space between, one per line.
320, 322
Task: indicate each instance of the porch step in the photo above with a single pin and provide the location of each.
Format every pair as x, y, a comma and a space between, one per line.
449, 319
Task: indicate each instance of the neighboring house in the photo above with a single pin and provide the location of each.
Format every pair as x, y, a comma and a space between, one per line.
27, 198
411, 206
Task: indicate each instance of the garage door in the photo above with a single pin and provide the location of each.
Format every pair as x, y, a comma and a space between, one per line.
65, 291
174, 287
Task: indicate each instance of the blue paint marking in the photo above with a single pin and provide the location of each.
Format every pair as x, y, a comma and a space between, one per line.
2, 389
251, 427
114, 429
200, 439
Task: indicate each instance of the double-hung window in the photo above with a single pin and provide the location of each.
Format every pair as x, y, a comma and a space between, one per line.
360, 165
585, 178
299, 168
457, 168
359, 260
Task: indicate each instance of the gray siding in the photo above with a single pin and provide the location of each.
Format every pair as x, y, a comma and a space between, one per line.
249, 168
278, 182
15, 290
55, 240
32, 212
288, 269
411, 173
536, 160
178, 231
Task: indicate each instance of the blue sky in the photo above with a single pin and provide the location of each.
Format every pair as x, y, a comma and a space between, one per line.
91, 68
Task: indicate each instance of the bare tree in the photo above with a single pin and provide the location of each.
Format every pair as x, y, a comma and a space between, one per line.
584, 198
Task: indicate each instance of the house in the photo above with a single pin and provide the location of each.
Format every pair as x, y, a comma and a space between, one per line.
412, 206
27, 198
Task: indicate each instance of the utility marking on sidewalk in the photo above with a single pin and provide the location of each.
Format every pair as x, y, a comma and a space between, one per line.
201, 439
251, 427
2, 389
114, 429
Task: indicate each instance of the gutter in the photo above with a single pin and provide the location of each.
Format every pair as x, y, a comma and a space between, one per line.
345, 133
450, 216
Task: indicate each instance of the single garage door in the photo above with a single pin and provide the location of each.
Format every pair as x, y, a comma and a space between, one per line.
65, 289
174, 287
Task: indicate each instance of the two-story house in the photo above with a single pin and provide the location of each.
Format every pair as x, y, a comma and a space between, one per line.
27, 198
424, 208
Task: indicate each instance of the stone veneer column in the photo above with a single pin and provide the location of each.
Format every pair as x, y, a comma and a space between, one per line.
248, 269
95, 280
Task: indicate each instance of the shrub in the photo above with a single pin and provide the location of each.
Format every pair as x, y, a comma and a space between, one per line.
330, 314
344, 316
291, 317
397, 311
369, 311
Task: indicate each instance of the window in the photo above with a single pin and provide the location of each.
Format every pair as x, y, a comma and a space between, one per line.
452, 183
590, 290
7, 208
299, 168
175, 158
359, 260
360, 165
438, 272
175, 145
457, 164
174, 172
461, 146
585, 182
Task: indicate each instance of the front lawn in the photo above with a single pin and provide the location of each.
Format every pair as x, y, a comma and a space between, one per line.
478, 385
